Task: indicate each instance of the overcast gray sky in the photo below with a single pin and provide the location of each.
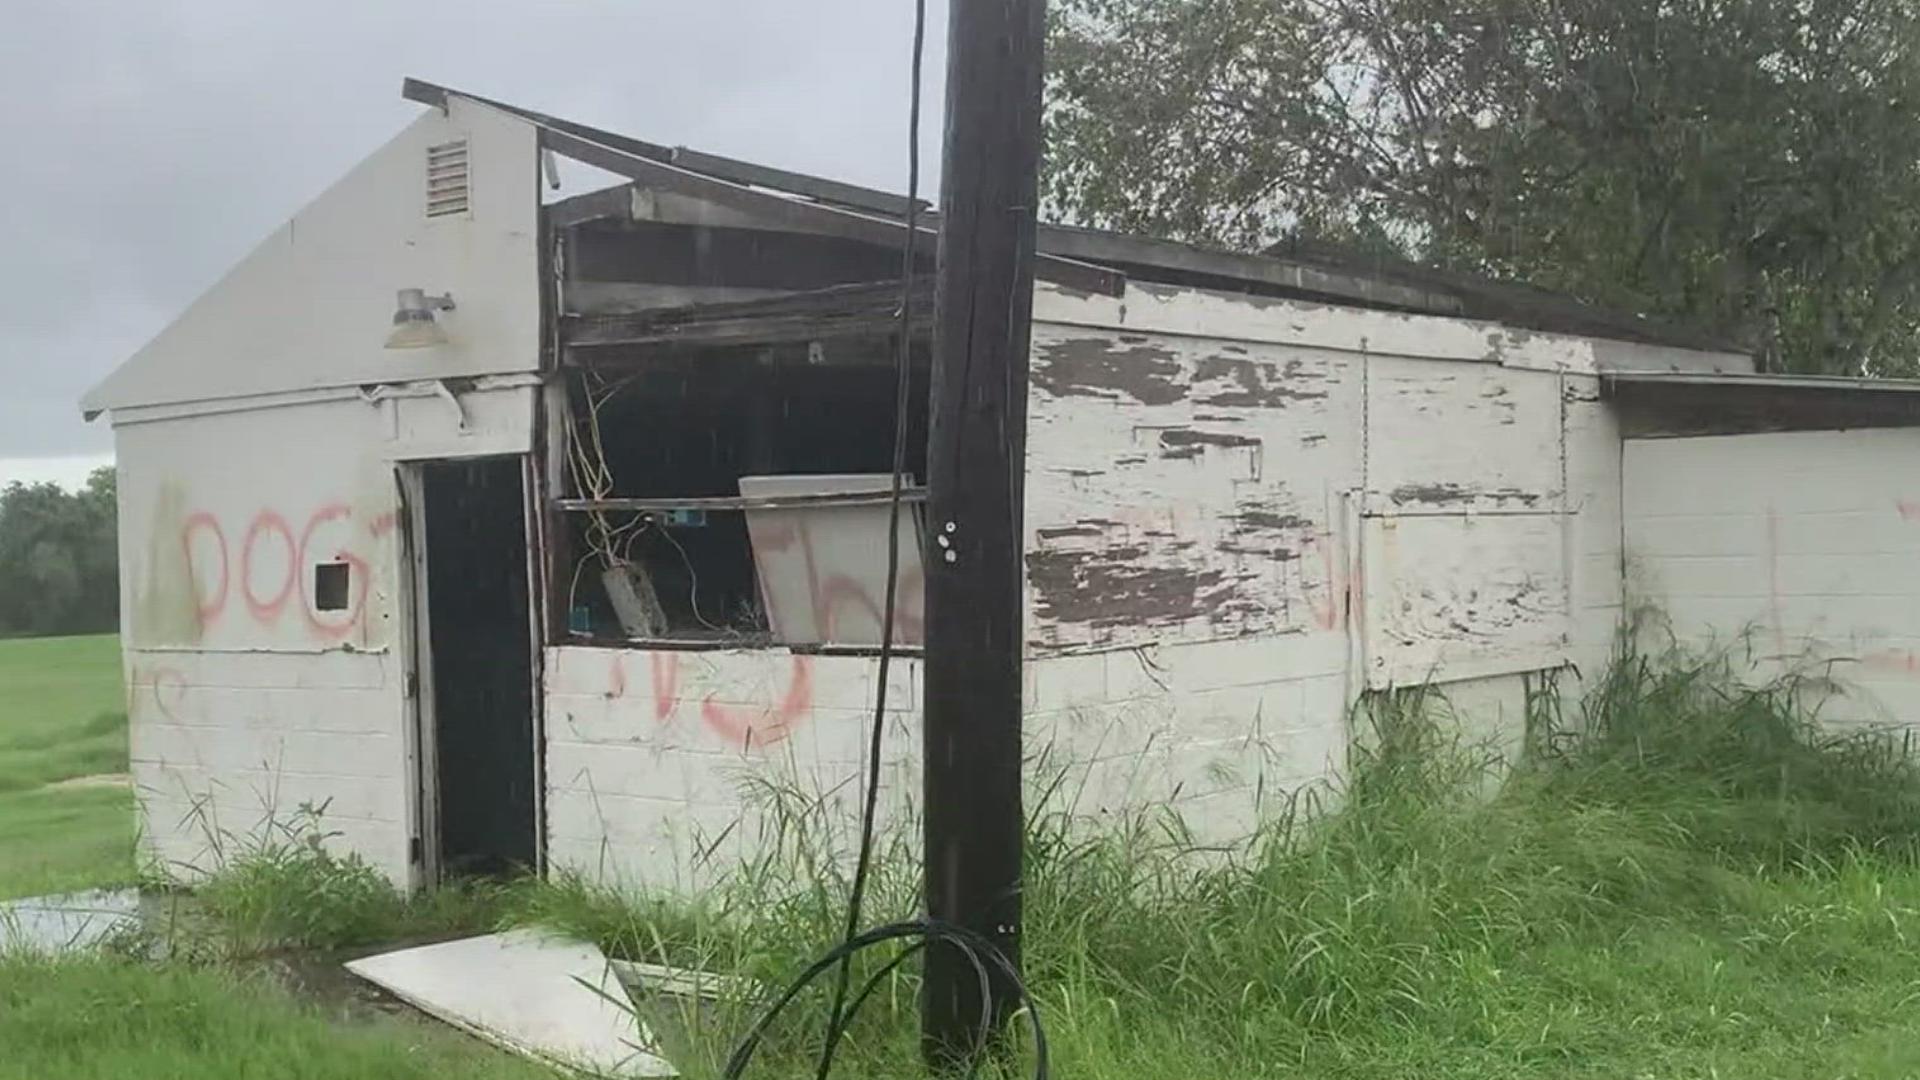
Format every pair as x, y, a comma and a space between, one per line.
150, 145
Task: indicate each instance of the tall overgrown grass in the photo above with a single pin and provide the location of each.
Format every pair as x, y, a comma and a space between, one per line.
1683, 876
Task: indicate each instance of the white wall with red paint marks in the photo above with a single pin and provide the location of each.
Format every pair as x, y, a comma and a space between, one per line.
1207, 588
1799, 551
663, 764
246, 699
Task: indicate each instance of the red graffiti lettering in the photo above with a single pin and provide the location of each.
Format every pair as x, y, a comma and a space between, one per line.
205, 606
616, 677
833, 595
1773, 581
265, 586
267, 522
169, 693
749, 727
666, 683
332, 624
1896, 661
840, 590
1336, 595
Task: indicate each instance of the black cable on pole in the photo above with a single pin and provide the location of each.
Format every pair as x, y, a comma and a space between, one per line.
980, 951
902, 404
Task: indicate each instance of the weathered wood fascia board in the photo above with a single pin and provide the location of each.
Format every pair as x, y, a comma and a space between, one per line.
812, 315
908, 495
764, 644
786, 212
1106, 247
726, 168
605, 204
374, 653
1682, 406
1204, 313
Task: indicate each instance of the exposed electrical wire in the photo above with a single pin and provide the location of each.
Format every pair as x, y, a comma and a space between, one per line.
902, 403
979, 950
693, 579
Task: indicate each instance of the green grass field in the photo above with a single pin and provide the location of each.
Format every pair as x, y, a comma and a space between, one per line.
112, 1019
62, 715
1690, 881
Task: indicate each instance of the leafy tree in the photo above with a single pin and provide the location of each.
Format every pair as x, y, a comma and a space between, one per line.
1750, 166
59, 561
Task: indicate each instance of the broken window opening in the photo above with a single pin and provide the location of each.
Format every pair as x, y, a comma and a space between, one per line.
739, 495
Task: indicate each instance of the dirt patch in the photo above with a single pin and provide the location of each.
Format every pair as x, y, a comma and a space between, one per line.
96, 780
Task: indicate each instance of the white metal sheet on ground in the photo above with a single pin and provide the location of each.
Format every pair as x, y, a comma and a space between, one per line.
527, 992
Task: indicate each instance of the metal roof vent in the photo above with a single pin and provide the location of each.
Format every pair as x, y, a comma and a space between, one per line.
447, 179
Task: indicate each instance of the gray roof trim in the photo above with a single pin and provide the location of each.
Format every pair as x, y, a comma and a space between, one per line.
1763, 380
1074, 256
724, 168
1673, 404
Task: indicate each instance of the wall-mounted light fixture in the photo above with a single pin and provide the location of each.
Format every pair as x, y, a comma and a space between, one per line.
414, 324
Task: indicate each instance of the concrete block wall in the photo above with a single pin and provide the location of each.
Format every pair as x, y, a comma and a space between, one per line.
229, 749
245, 698
1223, 734
1198, 596
1797, 550
662, 764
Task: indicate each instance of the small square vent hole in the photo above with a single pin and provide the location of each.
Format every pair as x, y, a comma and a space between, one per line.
331, 583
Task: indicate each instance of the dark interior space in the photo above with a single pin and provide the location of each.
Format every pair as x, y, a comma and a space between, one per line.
691, 423
476, 554
659, 253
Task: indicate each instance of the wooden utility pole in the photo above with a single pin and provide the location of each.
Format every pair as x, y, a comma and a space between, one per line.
976, 461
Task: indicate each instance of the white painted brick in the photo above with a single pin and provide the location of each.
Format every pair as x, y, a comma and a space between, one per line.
1060, 682
190, 838
280, 793
1708, 576
334, 669
231, 749
1686, 533
1826, 533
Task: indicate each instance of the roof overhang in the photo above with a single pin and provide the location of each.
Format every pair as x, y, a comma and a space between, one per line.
1092, 260
809, 204
1665, 404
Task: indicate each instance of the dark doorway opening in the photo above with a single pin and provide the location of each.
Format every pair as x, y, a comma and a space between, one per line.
481, 660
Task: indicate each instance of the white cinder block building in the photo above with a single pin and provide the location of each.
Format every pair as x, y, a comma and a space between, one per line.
544, 560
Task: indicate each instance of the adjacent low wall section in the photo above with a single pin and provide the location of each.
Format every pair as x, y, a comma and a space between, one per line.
1797, 550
